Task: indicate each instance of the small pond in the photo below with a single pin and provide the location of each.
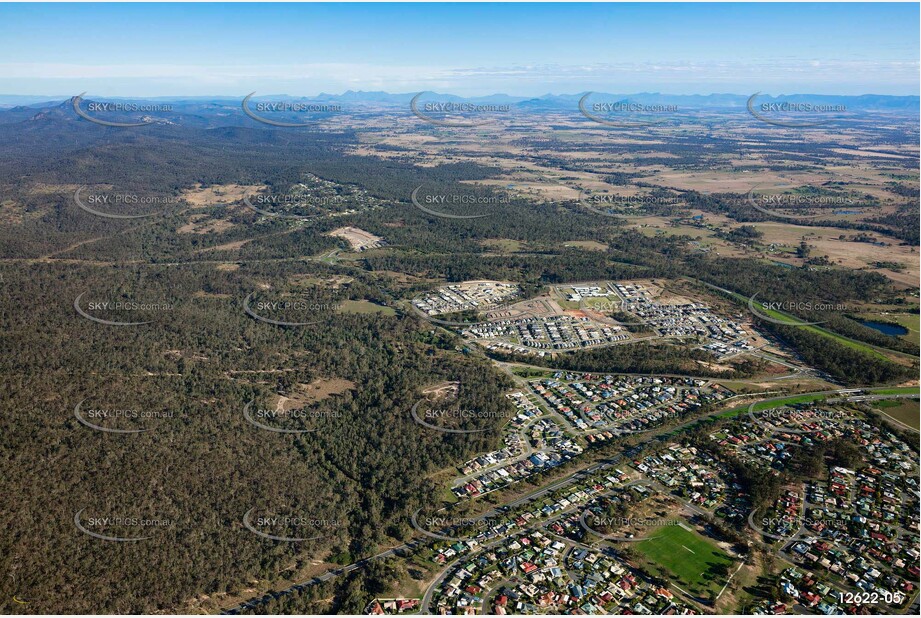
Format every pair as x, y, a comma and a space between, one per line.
886, 328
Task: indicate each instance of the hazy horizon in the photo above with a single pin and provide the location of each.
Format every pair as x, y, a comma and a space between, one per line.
194, 50
39, 98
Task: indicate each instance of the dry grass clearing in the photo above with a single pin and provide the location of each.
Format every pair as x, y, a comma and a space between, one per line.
440, 392
869, 153
11, 212
503, 245
227, 246
591, 245
849, 253
202, 224
903, 411
218, 195
357, 238
364, 307
333, 282
317, 390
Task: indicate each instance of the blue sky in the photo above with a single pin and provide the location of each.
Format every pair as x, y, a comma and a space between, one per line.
466, 49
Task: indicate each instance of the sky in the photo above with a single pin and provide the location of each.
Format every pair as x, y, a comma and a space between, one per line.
148, 50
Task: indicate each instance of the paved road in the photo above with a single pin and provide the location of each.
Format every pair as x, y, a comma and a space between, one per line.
575, 477
427, 599
819, 327
416, 542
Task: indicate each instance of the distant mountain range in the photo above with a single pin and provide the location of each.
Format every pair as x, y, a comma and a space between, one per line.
221, 111
547, 101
